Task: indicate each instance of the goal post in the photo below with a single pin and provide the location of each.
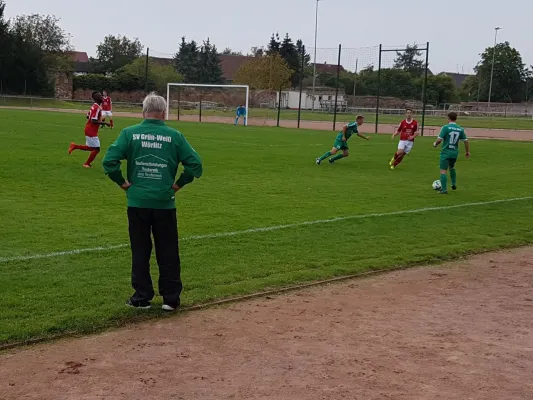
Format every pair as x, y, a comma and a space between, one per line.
202, 87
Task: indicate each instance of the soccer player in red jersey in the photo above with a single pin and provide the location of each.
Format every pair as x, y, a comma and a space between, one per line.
408, 130
94, 121
107, 108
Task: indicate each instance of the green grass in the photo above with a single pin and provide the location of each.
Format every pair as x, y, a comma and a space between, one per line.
254, 177
512, 123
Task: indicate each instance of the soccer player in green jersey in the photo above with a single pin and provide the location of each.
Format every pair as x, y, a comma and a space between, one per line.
450, 135
341, 141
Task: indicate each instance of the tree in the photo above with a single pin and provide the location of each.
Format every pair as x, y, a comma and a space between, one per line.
470, 89
409, 60
198, 65
186, 61
275, 45
307, 71
269, 72
290, 54
529, 84
440, 89
115, 52
257, 51
42, 33
158, 75
6, 43
229, 52
209, 64
509, 73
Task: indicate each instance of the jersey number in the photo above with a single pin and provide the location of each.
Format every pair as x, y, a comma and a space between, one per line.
454, 138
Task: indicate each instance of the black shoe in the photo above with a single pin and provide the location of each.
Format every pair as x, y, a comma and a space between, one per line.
454, 187
443, 192
170, 307
141, 305
331, 161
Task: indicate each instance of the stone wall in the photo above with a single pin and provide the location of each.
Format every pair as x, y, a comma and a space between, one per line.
222, 98
63, 85
118, 97
384, 102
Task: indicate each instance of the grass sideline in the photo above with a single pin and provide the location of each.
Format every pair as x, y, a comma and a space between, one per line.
511, 123
254, 177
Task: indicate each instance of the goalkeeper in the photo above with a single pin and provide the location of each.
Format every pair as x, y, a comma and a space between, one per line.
241, 112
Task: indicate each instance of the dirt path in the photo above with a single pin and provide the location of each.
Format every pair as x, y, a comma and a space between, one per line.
460, 331
319, 125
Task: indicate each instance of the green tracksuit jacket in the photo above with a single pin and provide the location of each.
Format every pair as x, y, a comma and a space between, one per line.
153, 152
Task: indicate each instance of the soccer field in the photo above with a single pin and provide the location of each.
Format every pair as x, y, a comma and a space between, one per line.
263, 114
262, 216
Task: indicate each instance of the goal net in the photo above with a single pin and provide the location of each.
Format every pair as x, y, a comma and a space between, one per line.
207, 103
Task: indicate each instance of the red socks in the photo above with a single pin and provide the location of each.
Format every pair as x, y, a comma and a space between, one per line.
92, 156
82, 147
398, 159
111, 123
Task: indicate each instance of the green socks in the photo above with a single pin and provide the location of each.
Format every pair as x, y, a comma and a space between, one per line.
337, 157
453, 175
444, 182
326, 155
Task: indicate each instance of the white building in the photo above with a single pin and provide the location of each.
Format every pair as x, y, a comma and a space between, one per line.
324, 100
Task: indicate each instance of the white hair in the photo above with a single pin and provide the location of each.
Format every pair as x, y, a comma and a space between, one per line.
154, 104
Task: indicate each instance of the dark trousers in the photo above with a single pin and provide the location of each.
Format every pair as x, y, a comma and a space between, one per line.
163, 224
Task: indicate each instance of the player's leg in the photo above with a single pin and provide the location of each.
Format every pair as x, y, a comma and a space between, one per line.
73, 146
398, 153
443, 174
236, 120
111, 123
94, 144
345, 153
453, 172
336, 147
140, 224
407, 146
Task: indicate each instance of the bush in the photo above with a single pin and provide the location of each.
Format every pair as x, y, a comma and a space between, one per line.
95, 82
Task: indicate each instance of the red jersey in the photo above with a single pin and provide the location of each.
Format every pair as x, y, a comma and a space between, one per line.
91, 129
106, 103
407, 129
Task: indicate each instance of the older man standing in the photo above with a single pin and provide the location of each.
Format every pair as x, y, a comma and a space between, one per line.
153, 152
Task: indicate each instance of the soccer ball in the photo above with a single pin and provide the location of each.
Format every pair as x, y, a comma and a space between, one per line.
436, 185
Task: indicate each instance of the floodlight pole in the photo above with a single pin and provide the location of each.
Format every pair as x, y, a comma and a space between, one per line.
314, 62
493, 61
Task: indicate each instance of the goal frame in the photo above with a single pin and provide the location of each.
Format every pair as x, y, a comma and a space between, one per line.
203, 85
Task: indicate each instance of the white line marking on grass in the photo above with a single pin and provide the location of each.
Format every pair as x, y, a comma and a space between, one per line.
268, 228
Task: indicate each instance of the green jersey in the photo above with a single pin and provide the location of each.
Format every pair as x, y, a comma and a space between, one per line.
153, 152
451, 134
351, 128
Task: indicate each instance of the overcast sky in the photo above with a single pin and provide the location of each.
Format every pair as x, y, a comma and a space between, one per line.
458, 30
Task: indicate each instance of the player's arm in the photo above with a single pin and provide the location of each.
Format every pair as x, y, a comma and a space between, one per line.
191, 162
112, 160
441, 137
344, 130
363, 136
398, 130
98, 120
467, 145
415, 133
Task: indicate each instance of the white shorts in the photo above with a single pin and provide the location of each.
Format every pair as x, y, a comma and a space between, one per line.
406, 146
92, 141
107, 114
